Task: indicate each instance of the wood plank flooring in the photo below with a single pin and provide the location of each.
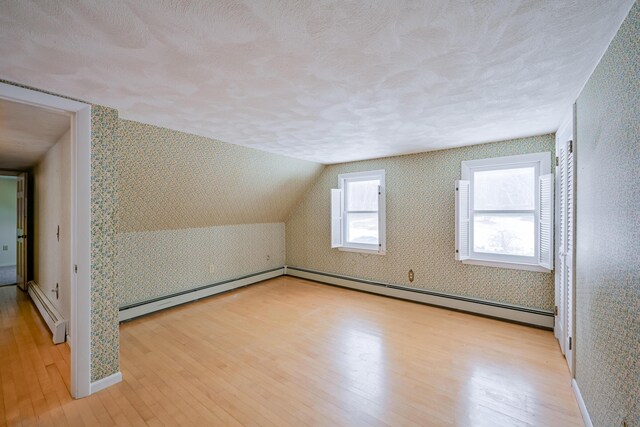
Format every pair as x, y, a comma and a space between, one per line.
292, 352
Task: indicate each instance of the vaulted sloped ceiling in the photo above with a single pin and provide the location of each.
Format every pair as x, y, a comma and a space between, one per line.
173, 180
322, 80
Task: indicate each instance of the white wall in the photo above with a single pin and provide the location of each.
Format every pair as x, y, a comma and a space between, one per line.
7, 220
52, 209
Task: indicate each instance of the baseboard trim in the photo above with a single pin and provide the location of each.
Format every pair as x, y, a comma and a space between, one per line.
583, 408
51, 316
539, 318
96, 386
140, 309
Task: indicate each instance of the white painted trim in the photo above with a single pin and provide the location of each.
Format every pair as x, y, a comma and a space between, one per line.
509, 265
141, 310
39, 99
80, 322
360, 251
583, 408
379, 174
544, 158
96, 386
441, 300
51, 316
81, 254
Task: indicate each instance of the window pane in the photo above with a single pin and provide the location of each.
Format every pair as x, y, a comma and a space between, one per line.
362, 195
505, 234
362, 228
504, 189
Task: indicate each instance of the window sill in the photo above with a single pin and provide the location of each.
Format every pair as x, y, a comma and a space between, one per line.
509, 265
361, 251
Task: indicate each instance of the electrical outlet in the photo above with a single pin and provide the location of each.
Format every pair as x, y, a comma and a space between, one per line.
5, 247
212, 269
411, 275
268, 257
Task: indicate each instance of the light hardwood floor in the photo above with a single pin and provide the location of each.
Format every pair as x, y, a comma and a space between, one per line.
293, 352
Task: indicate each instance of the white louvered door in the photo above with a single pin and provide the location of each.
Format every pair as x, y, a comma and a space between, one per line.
565, 242
568, 255
561, 295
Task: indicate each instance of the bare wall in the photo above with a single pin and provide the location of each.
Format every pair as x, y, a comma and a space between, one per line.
52, 201
420, 228
608, 233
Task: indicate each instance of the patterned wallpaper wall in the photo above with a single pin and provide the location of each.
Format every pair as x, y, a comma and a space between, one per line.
172, 180
186, 202
158, 263
105, 334
420, 228
608, 233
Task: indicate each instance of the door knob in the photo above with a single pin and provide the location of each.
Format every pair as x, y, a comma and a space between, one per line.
24, 236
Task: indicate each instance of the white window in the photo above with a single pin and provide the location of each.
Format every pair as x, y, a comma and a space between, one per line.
504, 212
358, 212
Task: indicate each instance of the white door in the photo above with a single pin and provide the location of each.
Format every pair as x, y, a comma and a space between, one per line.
565, 183
21, 229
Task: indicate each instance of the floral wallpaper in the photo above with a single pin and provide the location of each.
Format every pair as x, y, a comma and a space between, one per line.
193, 211
105, 345
175, 180
420, 228
607, 340
153, 264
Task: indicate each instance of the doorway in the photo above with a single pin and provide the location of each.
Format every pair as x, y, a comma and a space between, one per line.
75, 208
8, 221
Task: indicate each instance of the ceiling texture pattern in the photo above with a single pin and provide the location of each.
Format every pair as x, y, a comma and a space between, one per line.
326, 81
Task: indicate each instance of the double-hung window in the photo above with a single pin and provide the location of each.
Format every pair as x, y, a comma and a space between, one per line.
358, 212
504, 212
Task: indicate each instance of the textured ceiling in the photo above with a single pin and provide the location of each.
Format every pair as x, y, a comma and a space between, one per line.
27, 133
327, 81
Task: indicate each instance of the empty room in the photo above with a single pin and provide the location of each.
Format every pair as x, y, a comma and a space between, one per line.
320, 213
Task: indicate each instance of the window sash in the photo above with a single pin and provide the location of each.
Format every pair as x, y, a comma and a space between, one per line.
358, 177
484, 256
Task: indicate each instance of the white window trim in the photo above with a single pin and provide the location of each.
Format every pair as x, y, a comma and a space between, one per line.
542, 164
363, 248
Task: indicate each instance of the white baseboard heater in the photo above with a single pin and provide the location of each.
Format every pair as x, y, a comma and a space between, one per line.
140, 309
49, 313
513, 313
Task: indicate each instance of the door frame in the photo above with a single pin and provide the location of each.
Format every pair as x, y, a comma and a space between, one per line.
80, 321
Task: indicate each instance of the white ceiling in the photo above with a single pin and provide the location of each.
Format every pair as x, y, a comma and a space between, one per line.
327, 81
27, 133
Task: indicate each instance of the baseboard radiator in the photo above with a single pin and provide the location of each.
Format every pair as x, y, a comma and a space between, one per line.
513, 313
136, 310
49, 313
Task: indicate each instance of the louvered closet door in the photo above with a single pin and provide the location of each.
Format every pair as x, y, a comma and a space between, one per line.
569, 252
561, 174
